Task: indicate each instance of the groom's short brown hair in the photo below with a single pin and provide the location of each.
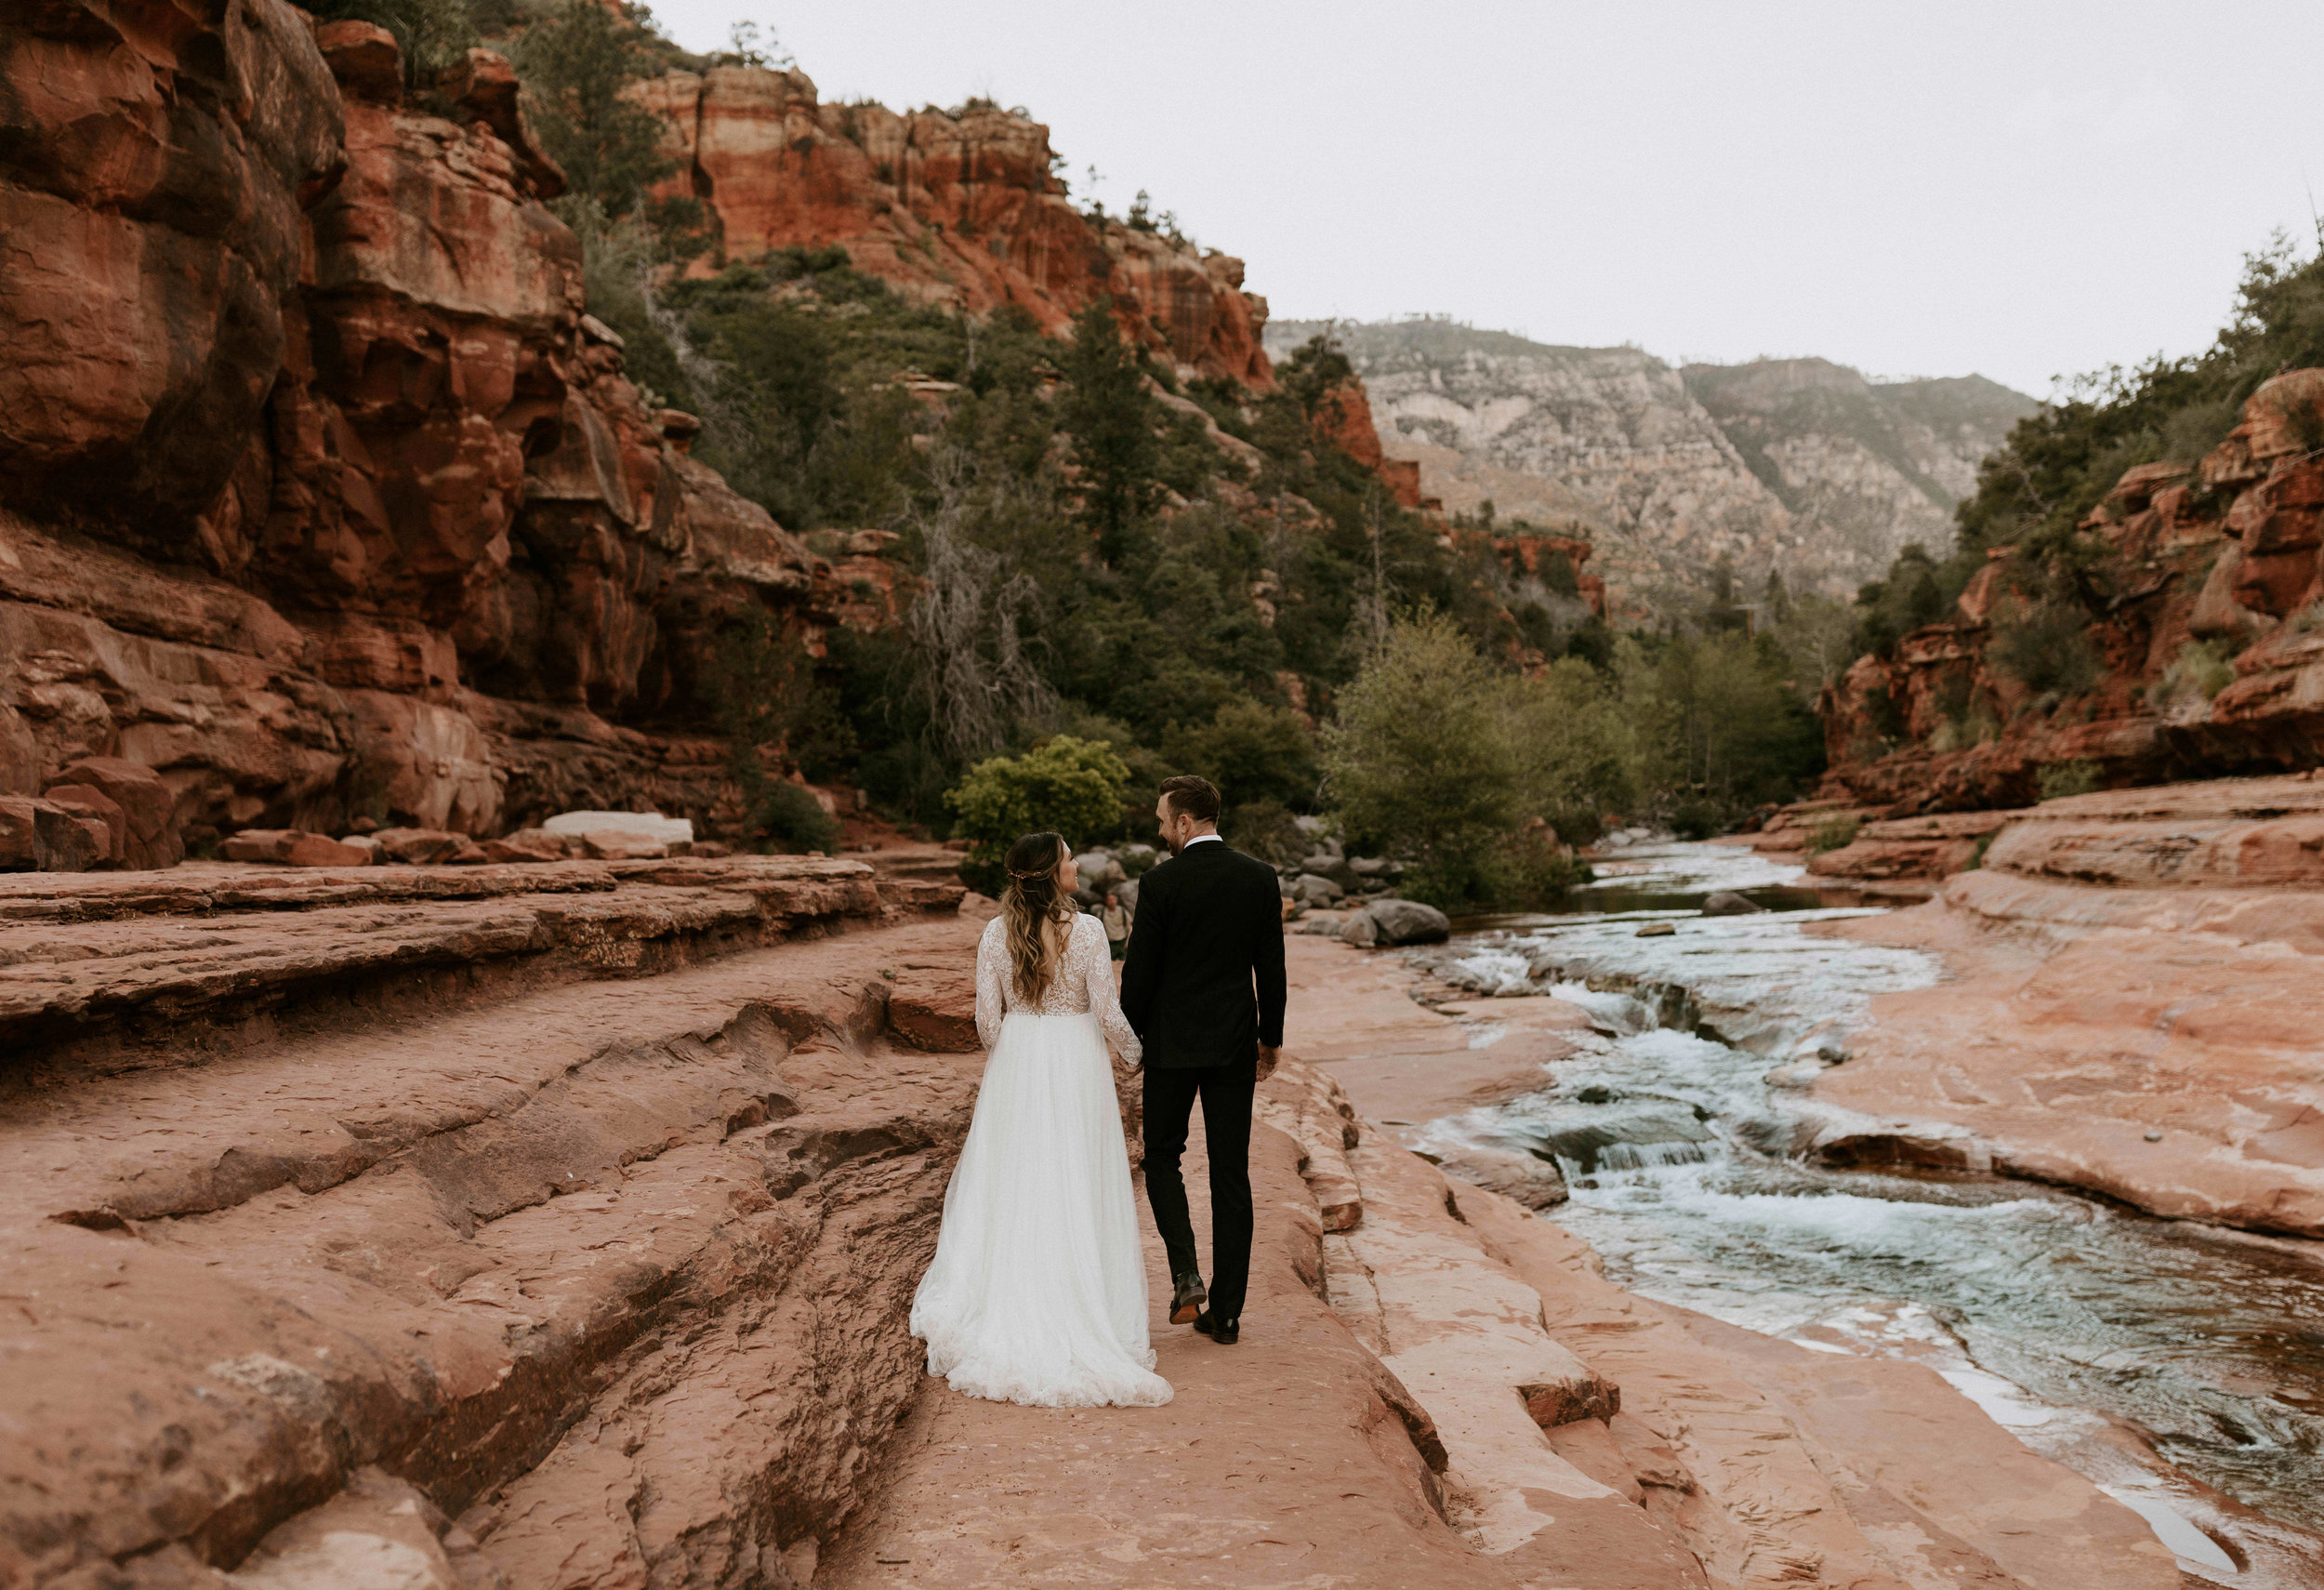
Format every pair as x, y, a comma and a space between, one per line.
1192, 797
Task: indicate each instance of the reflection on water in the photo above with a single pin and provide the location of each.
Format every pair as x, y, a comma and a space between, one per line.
2100, 1336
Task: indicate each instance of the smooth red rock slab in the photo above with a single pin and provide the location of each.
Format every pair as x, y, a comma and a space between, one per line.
428, 1241
2158, 1045
1756, 1452
1405, 1062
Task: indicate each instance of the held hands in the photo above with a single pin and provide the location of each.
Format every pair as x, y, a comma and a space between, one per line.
1268, 1056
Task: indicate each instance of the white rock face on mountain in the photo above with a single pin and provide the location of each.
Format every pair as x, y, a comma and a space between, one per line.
1797, 465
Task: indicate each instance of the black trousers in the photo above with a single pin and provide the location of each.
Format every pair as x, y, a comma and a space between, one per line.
1225, 1091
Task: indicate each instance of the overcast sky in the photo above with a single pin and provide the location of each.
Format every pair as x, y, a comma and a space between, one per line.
2021, 189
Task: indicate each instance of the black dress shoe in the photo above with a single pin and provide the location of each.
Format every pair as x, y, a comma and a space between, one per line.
1226, 1332
1186, 1300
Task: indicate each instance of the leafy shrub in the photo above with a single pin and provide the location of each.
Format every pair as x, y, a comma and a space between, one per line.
1833, 833
1536, 871
2045, 646
1697, 817
1418, 758
1266, 830
2202, 667
2057, 780
787, 817
1256, 754
1576, 824
1068, 786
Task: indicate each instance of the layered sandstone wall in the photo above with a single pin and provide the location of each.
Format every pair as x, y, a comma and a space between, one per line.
957, 207
323, 498
2208, 640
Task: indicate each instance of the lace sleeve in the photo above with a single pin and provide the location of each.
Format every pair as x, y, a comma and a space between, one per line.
1096, 971
992, 981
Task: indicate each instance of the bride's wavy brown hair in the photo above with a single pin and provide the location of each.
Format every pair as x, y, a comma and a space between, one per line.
1031, 899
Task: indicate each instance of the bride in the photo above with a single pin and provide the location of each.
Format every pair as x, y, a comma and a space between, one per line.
1037, 1292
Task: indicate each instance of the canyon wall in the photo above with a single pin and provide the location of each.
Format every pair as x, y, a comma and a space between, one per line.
956, 207
1796, 465
2202, 657
322, 496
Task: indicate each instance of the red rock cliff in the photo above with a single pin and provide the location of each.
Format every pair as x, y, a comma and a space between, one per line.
2210, 645
321, 496
958, 208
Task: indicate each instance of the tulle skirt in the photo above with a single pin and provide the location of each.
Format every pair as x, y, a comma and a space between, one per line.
1037, 1292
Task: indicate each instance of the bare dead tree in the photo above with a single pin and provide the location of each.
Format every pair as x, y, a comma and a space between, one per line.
972, 672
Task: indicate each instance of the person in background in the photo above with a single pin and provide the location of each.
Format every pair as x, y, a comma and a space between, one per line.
1116, 920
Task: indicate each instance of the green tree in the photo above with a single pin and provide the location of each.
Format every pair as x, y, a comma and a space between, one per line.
1072, 787
1720, 724
1111, 416
431, 34
575, 61
1576, 756
1251, 752
1418, 759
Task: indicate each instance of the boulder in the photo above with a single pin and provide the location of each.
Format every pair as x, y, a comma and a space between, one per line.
41, 836
527, 844
151, 839
1136, 858
1656, 930
1361, 931
1099, 870
84, 801
1331, 865
364, 842
1314, 889
1372, 866
646, 825
364, 58
292, 847
417, 847
623, 844
1406, 921
469, 855
1727, 903
1536, 1183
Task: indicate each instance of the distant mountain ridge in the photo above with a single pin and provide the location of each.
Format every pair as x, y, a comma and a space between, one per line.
1798, 464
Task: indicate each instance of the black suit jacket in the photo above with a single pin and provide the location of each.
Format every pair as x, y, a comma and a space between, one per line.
1202, 981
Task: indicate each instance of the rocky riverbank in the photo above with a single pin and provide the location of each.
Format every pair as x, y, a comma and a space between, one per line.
2129, 1005
589, 1268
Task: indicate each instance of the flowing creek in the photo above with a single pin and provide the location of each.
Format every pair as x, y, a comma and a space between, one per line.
2180, 1367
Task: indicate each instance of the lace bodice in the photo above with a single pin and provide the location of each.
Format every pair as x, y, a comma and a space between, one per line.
1084, 981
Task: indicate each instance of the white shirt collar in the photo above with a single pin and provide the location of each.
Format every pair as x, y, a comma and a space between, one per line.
1200, 838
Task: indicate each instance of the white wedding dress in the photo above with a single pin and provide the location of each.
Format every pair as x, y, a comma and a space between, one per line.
1037, 1292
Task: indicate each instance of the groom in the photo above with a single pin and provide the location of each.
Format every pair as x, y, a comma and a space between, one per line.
1203, 986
